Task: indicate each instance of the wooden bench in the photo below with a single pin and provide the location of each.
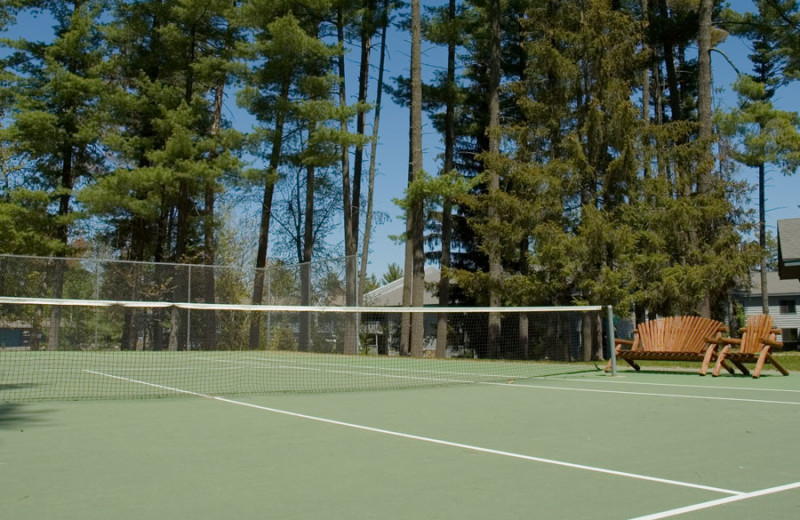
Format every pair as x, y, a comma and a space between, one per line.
678, 338
758, 338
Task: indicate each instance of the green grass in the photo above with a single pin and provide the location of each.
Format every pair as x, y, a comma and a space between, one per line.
789, 360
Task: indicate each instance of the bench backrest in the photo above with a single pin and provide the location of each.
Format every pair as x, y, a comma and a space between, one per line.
759, 326
677, 334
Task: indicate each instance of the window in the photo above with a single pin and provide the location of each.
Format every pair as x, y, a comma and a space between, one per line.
788, 307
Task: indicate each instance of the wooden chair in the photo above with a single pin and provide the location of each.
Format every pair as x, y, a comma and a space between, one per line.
758, 338
678, 338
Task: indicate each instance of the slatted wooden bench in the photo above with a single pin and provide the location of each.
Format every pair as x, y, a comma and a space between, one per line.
755, 345
677, 338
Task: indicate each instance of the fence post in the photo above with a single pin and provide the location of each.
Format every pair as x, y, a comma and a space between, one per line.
610, 327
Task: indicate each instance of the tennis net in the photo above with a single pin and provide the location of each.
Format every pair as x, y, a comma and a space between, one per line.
105, 349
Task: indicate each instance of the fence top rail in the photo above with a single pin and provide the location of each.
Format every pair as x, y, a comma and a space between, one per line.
14, 300
271, 262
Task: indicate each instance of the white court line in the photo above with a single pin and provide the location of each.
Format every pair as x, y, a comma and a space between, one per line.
648, 394
257, 361
350, 372
719, 502
432, 440
416, 370
615, 382
173, 369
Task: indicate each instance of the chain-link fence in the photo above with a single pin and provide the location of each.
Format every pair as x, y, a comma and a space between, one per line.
79, 304
102, 279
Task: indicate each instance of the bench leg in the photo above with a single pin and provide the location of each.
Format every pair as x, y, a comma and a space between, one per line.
729, 368
720, 360
760, 363
633, 364
707, 359
777, 365
765, 356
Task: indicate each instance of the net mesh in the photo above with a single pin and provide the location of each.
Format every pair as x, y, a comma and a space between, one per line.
103, 349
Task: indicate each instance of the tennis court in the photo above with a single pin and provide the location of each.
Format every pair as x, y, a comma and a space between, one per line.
657, 444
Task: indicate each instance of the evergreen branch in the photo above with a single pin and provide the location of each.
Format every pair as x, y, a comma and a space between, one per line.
730, 62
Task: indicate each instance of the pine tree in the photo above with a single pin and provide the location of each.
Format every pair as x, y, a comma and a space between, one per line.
170, 147
778, 21
289, 86
762, 128
57, 119
769, 137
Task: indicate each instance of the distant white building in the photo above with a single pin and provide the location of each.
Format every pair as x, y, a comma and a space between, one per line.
381, 332
784, 300
789, 248
391, 294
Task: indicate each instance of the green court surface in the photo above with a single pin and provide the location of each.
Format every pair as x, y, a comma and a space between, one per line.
659, 444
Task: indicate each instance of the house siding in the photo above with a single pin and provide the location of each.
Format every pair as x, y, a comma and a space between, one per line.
782, 321
780, 290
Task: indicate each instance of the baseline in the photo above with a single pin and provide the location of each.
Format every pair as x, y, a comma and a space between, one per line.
719, 502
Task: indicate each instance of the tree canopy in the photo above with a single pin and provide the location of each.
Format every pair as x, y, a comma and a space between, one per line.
581, 163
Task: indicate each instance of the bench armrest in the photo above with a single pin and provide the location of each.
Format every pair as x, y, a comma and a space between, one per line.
772, 343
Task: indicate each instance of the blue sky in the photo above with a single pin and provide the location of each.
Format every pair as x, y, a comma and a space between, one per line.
782, 192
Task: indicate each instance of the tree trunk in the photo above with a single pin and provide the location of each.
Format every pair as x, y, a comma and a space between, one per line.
762, 237
523, 340
414, 279
669, 61
706, 167
368, 13
67, 182
704, 92
447, 205
646, 98
350, 337
266, 213
305, 266
209, 318
495, 268
373, 156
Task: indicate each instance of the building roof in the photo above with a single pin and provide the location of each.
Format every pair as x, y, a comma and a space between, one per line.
391, 294
789, 248
775, 286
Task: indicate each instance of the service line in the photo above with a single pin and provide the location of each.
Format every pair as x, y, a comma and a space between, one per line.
644, 394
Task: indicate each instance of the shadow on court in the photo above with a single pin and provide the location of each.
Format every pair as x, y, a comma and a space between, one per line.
16, 415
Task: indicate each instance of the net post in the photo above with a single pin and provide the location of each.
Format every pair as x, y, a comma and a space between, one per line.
610, 327
189, 311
